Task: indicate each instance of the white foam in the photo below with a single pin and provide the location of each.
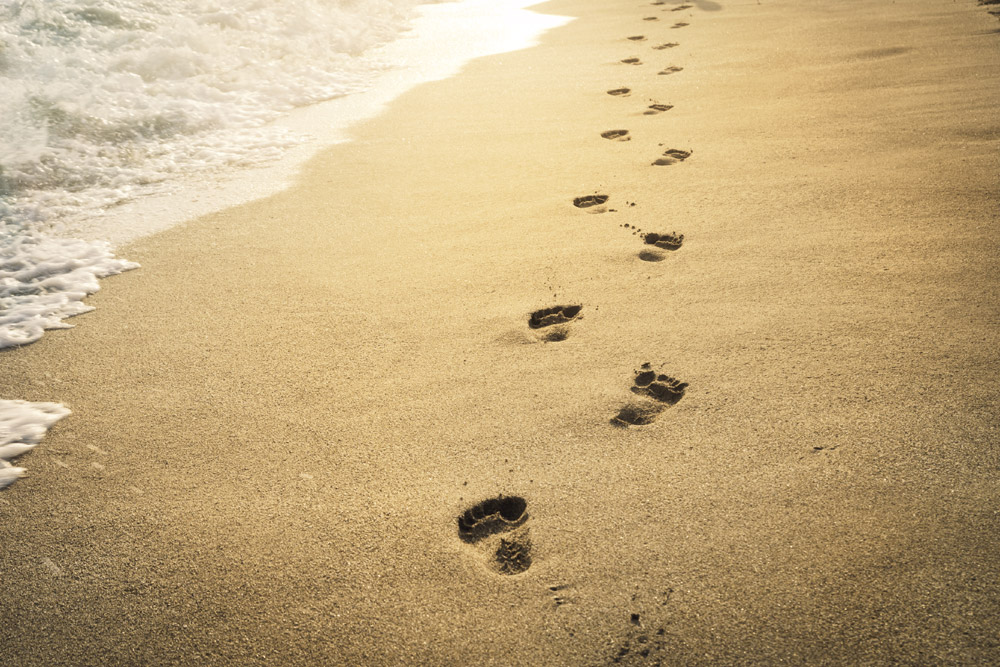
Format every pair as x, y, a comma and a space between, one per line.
106, 100
22, 426
44, 279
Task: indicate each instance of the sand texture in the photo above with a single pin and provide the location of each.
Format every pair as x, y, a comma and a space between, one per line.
326, 428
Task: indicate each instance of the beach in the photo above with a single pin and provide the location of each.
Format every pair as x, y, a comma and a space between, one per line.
281, 421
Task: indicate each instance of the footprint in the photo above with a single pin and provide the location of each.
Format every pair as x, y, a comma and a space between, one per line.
620, 91
632, 61
616, 135
668, 45
673, 156
651, 18
654, 109
655, 385
663, 389
679, 24
671, 69
496, 527
638, 38
557, 315
595, 203
671, 241
681, 7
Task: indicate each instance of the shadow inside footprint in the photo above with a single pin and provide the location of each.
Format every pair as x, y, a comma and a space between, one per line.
654, 109
631, 61
655, 385
668, 45
496, 515
589, 201
616, 135
556, 315
620, 91
636, 414
680, 7
637, 38
679, 24
671, 69
673, 156
671, 241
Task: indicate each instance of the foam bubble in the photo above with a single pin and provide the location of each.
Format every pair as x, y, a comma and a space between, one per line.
22, 426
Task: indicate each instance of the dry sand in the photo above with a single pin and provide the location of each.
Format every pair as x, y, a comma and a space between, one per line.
279, 418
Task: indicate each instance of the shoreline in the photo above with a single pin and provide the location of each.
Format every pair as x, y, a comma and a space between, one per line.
294, 401
496, 28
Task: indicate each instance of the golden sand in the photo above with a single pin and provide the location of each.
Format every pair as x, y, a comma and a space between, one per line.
318, 429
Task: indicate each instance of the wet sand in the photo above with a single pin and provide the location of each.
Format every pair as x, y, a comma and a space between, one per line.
279, 420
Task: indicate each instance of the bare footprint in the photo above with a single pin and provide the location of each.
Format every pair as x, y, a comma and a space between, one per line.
638, 38
631, 61
496, 527
673, 156
668, 45
670, 70
681, 7
620, 92
671, 241
662, 389
616, 135
679, 24
655, 385
654, 109
651, 18
555, 317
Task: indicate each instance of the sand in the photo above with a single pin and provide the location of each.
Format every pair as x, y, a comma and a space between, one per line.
279, 419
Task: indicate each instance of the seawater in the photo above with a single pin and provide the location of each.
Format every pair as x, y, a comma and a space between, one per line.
120, 118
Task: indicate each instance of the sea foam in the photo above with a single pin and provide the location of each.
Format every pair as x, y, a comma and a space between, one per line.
44, 280
22, 426
105, 100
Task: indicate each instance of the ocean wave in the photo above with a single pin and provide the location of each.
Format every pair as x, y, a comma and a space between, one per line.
105, 101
